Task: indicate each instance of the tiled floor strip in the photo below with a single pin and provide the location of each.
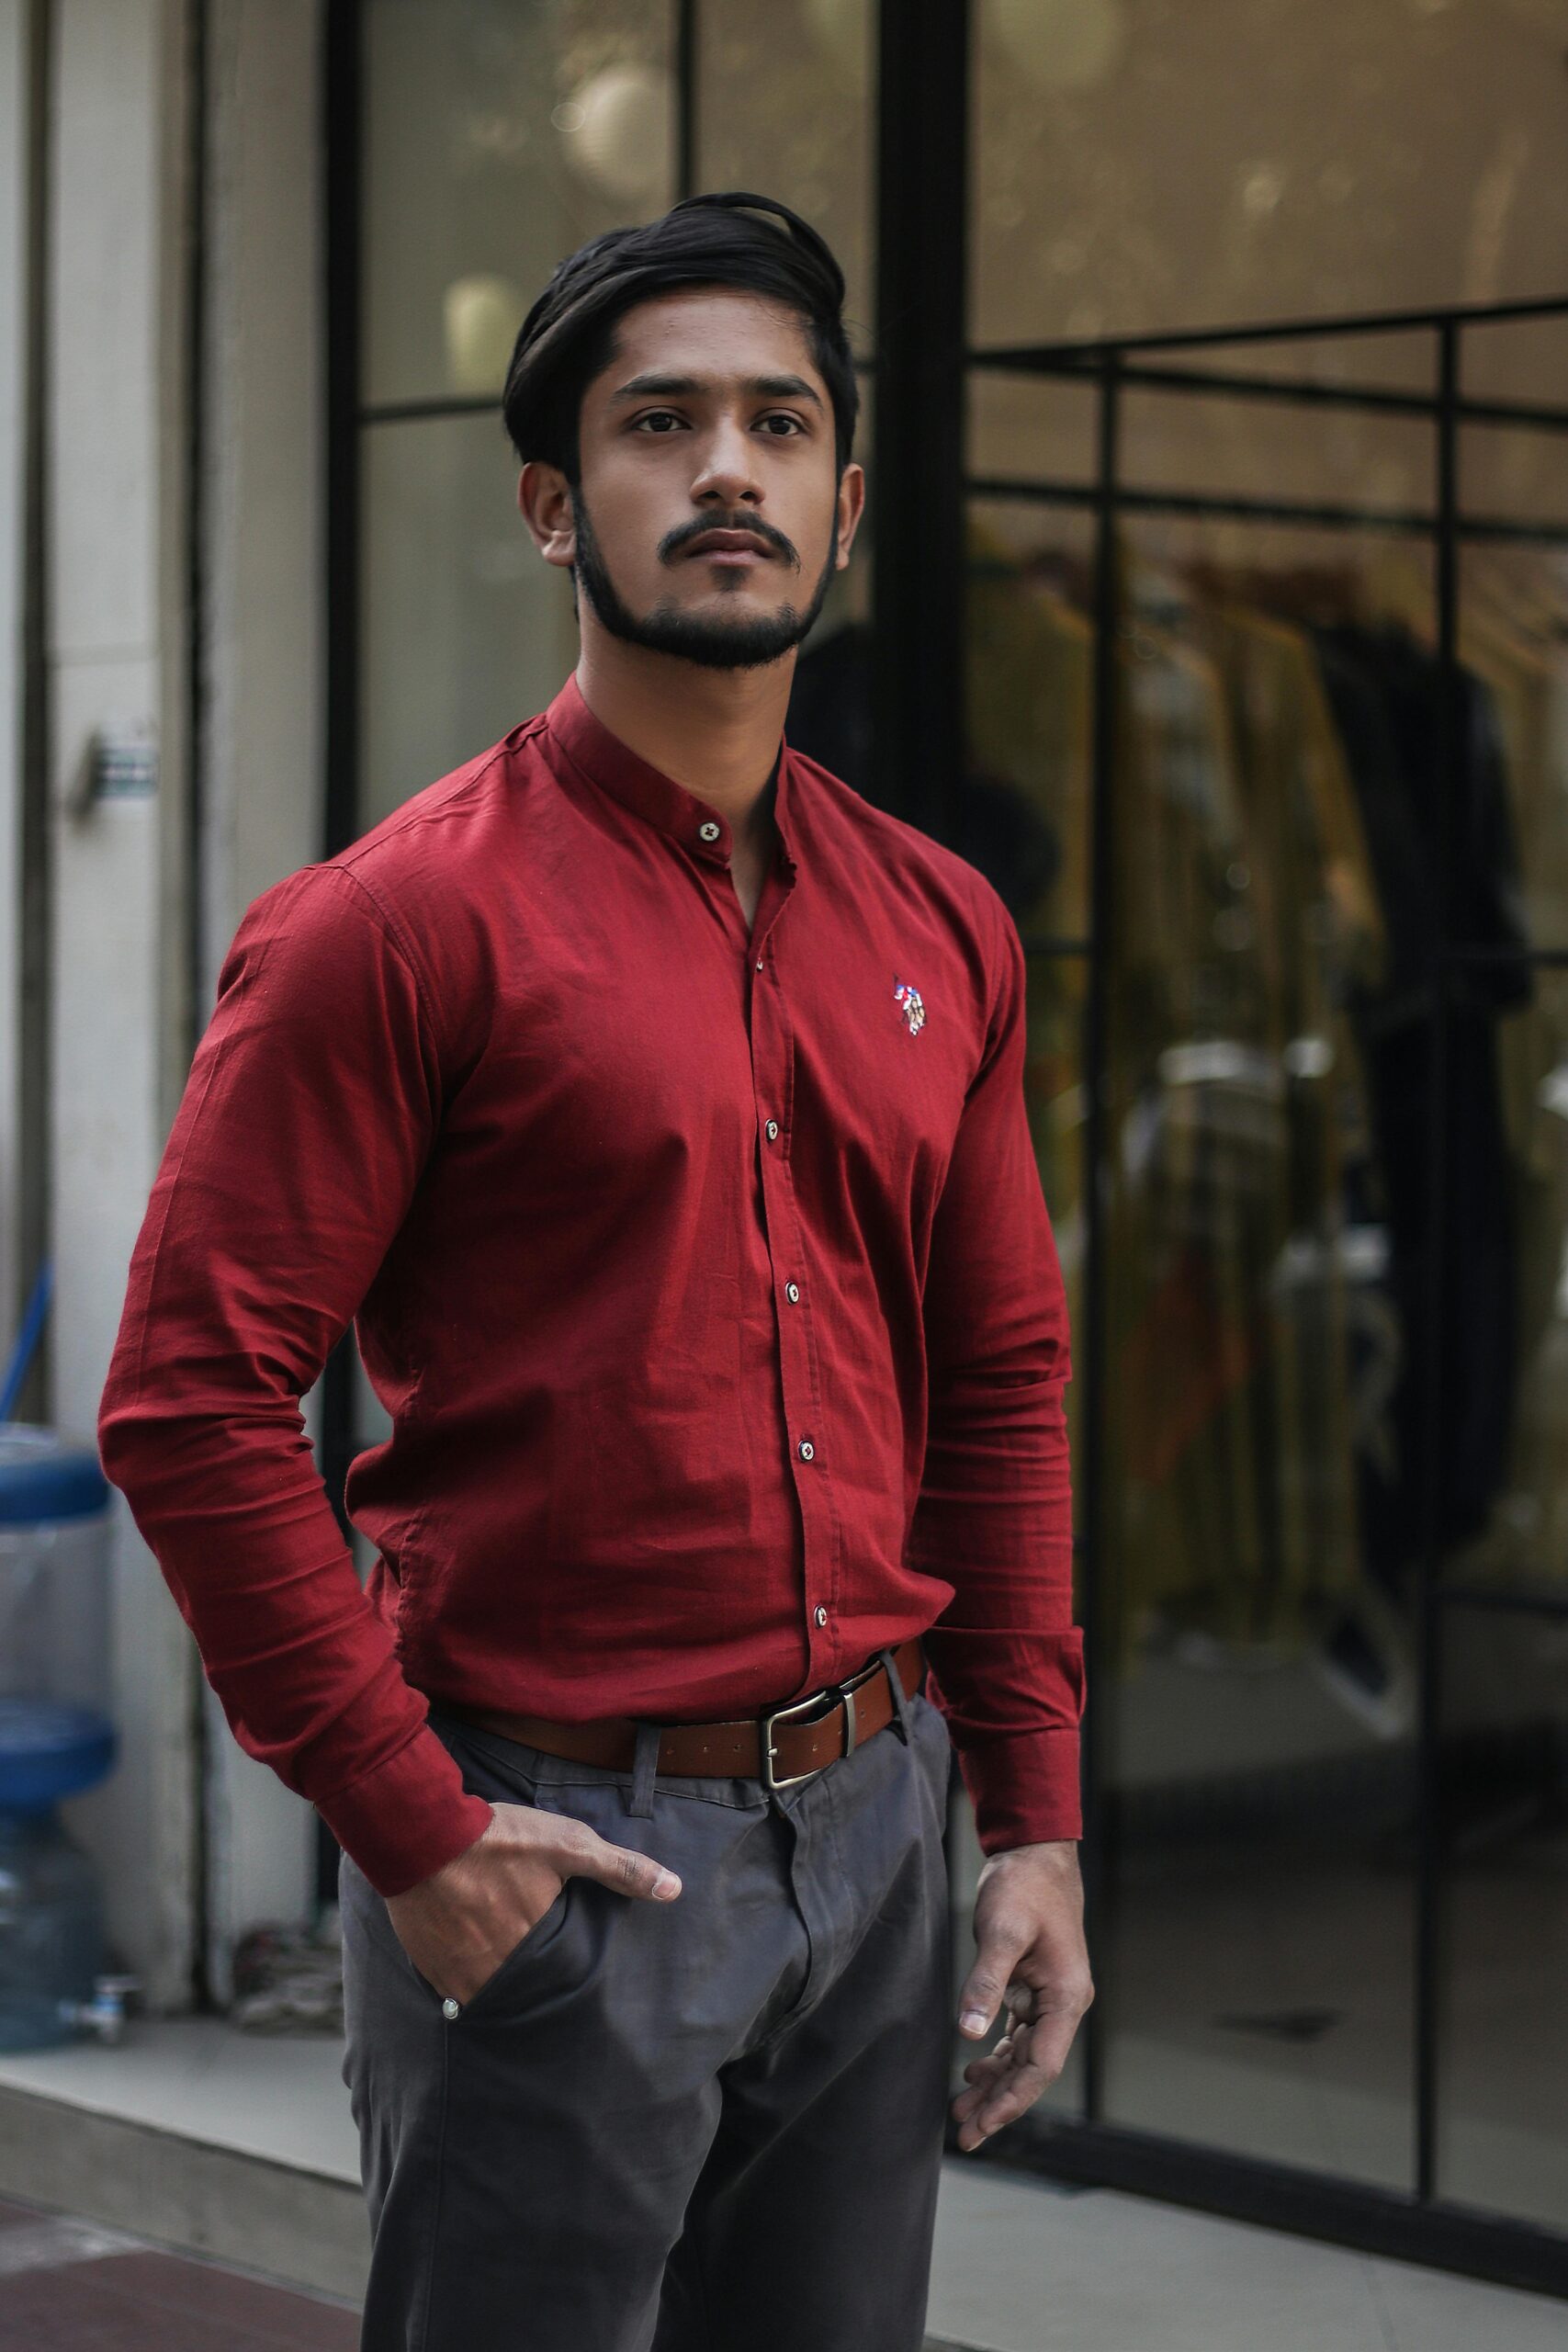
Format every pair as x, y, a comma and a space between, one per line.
76, 2287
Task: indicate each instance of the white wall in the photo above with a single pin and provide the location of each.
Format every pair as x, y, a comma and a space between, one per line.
116, 637
120, 633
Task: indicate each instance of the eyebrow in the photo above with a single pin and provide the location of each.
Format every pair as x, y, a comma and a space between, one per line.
767, 388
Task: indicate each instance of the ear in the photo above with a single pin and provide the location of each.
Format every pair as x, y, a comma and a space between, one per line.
543, 501
851, 506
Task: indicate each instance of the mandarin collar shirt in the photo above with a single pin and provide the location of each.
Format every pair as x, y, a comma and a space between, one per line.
702, 1267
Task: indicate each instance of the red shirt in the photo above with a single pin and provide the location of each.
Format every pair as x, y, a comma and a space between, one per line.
705, 1275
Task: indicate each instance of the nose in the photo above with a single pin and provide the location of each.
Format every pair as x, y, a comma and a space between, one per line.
727, 475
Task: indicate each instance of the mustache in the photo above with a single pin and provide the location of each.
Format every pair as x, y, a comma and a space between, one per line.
671, 544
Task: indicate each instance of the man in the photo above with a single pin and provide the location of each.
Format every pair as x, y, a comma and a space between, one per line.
652, 1104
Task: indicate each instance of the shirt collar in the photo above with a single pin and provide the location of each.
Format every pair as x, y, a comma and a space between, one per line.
647, 790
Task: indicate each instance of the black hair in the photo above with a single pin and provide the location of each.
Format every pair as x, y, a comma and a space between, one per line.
727, 239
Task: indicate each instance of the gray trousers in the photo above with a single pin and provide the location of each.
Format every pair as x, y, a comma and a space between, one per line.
710, 2125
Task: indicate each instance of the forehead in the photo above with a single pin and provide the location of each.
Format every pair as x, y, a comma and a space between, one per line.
716, 330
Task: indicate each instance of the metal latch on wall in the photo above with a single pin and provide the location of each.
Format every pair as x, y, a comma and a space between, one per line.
119, 762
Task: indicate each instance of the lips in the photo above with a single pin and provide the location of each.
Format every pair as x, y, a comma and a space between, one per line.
731, 543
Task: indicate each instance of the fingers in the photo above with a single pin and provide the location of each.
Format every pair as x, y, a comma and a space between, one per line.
1009, 2078
582, 1851
986, 2106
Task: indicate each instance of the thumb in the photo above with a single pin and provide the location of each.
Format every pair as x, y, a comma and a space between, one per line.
623, 1868
984, 1987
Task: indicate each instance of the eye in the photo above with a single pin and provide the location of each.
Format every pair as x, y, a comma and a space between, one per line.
783, 417
656, 416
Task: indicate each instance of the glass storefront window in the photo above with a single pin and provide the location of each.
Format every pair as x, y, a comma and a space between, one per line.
1271, 1017
1145, 165
1329, 1142
784, 107
1503, 2033
500, 135
1502, 2053
466, 629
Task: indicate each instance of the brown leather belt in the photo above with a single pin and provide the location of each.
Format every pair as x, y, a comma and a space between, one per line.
779, 1747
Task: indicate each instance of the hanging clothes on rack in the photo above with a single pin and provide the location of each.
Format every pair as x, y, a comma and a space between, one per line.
1384, 690
1519, 646
1028, 665
1028, 661
1198, 1149
1304, 827
1220, 1515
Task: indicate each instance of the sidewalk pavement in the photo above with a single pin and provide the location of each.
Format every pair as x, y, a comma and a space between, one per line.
1020, 2267
76, 2287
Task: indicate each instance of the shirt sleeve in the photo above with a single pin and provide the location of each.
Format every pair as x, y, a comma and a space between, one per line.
994, 1514
312, 1104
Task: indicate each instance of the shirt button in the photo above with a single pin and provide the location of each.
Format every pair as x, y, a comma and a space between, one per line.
759, 963
448, 2008
708, 832
807, 1449
792, 1291
821, 1614
772, 1130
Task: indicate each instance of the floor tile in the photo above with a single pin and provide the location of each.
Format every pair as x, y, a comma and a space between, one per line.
74, 2288
1020, 2267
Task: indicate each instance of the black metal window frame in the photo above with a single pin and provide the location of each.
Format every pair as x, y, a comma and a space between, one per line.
922, 364
1424, 2225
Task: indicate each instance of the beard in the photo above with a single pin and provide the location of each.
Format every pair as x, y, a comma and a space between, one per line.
714, 643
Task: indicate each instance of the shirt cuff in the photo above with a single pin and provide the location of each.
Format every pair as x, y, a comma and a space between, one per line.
1023, 1786
405, 1818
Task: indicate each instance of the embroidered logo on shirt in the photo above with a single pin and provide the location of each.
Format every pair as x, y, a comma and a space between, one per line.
906, 995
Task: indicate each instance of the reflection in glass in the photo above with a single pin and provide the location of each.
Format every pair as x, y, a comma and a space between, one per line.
1523, 1542
500, 136
1276, 451
1266, 1268
1514, 609
1253, 1257
1029, 656
1503, 2040
1275, 1455
1142, 164
785, 99
1011, 431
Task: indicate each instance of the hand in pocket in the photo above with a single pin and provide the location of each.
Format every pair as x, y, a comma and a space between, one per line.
461, 1924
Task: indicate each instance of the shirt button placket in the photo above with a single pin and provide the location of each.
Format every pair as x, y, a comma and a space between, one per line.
792, 1339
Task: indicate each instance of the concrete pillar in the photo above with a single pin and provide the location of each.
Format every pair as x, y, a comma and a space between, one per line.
118, 638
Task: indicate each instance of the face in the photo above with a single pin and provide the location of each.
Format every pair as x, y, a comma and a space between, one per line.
708, 519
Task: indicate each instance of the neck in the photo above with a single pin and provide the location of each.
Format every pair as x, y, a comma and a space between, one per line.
715, 732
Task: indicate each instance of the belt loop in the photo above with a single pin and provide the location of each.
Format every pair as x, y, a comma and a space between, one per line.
639, 1796
900, 1696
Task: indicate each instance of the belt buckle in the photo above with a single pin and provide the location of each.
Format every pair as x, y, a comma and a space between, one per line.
844, 1691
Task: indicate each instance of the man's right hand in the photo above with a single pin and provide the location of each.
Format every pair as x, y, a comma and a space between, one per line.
458, 1925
